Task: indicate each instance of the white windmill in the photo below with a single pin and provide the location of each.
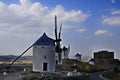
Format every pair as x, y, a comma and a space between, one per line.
44, 52
44, 55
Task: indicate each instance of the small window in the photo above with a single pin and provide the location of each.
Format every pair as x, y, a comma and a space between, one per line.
45, 57
35, 46
56, 57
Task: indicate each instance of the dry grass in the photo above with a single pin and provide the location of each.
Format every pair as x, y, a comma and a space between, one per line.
70, 65
17, 62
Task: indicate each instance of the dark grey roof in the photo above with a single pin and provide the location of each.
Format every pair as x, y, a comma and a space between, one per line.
92, 59
78, 55
45, 40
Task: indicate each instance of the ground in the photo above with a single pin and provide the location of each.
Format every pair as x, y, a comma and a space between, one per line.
112, 75
40, 76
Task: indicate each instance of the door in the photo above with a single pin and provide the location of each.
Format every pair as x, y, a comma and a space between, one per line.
45, 65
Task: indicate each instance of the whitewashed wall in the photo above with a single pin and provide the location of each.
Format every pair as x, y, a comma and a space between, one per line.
39, 53
65, 54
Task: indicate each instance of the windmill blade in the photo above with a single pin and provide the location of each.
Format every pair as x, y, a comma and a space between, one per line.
60, 31
56, 27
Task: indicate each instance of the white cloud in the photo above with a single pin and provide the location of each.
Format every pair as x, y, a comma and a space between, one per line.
72, 16
113, 1
34, 17
102, 32
22, 23
81, 30
116, 12
111, 20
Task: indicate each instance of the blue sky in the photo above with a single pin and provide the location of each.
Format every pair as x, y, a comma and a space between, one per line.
88, 25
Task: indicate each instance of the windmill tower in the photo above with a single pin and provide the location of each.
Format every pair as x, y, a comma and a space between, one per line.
44, 55
65, 52
58, 45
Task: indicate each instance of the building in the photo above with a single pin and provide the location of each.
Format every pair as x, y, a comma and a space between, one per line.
91, 61
104, 59
104, 55
44, 55
77, 56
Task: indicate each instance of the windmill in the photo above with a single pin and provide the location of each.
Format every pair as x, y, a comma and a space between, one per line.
58, 40
57, 47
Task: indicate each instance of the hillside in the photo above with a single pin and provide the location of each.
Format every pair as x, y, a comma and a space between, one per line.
9, 58
75, 65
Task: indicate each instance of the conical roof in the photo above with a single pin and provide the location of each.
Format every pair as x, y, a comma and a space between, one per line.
45, 40
64, 48
78, 55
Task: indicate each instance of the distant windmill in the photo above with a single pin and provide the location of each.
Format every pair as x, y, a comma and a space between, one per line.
57, 40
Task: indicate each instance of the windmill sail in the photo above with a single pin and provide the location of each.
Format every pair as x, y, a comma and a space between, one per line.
56, 27
60, 31
58, 39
